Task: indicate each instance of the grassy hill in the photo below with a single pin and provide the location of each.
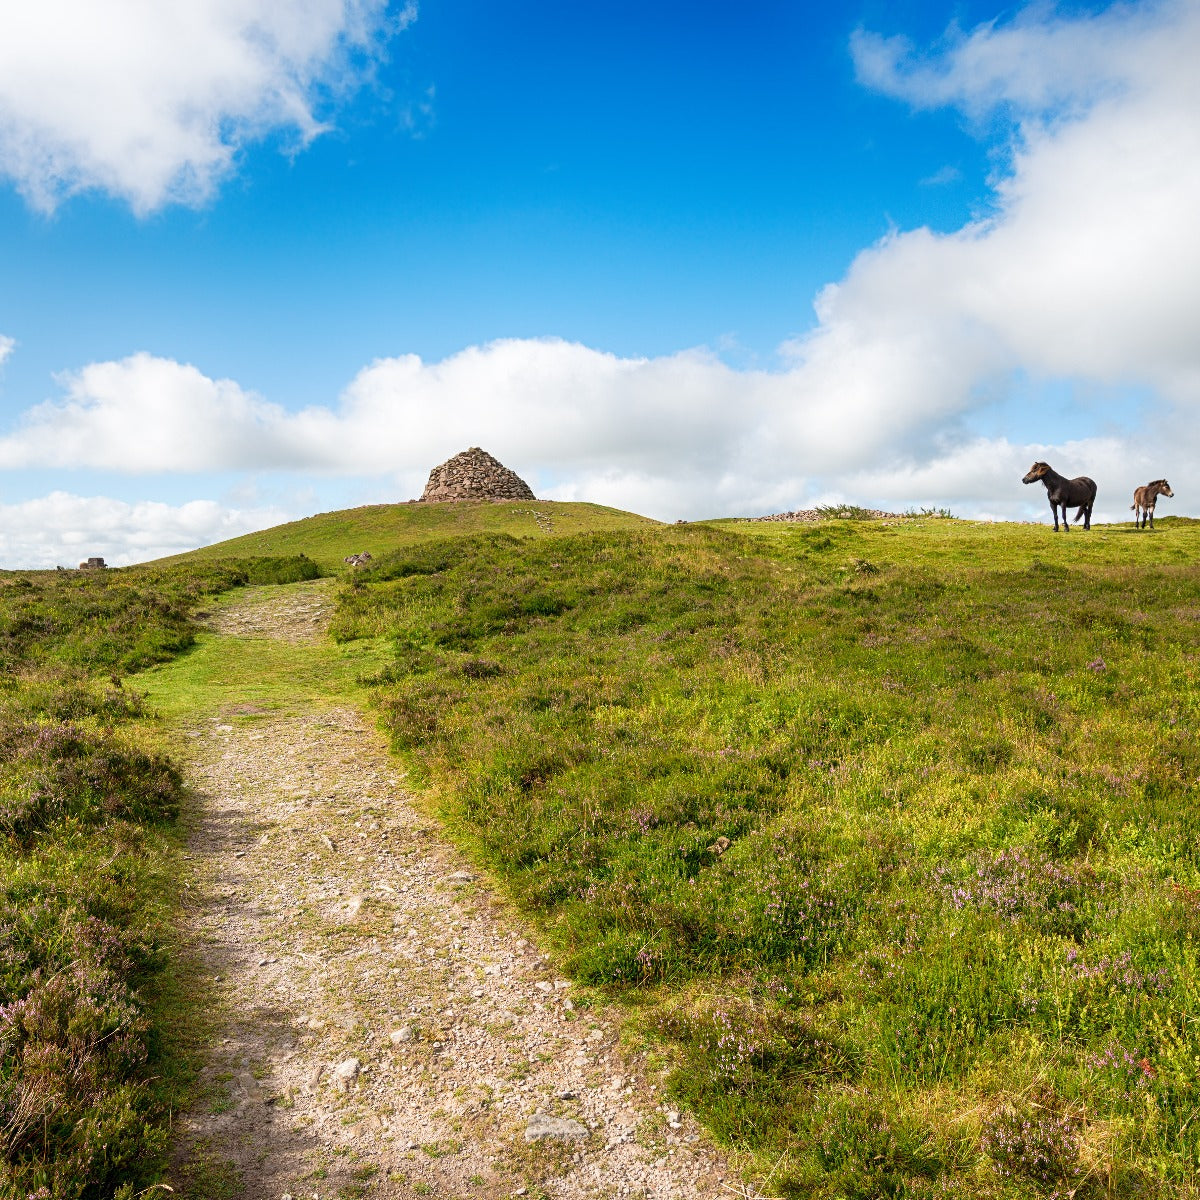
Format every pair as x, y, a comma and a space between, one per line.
886, 831
377, 528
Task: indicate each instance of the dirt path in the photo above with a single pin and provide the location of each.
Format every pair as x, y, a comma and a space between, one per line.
388, 1028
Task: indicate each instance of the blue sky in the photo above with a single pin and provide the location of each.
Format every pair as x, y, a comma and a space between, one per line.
289, 259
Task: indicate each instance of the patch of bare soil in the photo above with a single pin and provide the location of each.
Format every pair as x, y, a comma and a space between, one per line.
387, 1027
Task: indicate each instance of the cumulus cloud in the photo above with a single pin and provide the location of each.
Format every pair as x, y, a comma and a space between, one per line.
61, 529
151, 101
1089, 266
679, 435
559, 405
7, 346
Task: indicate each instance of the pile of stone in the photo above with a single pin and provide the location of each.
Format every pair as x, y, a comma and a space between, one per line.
93, 564
475, 475
832, 514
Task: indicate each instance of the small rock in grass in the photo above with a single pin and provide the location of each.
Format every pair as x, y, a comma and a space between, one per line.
542, 1125
346, 1072
543, 986
399, 1036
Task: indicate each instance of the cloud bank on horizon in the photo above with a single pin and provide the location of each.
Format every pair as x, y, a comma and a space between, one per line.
1084, 272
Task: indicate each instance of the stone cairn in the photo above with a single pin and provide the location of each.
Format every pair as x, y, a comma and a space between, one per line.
475, 475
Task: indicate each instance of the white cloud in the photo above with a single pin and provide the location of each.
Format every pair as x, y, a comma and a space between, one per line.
558, 407
1088, 269
682, 435
150, 100
62, 529
1041, 63
146, 414
7, 346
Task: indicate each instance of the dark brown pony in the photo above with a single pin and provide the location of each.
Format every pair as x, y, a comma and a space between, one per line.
1144, 499
1065, 493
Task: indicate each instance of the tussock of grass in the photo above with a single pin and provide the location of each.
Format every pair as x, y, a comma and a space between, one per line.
888, 831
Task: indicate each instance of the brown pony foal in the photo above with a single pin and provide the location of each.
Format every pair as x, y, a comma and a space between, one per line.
1144, 499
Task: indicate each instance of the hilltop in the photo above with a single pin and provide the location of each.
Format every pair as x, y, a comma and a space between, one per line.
378, 528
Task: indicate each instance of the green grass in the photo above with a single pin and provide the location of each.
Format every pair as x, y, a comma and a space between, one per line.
887, 831
884, 831
379, 528
222, 674
98, 1018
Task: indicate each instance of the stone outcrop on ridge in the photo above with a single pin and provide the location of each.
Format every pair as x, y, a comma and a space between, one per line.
475, 475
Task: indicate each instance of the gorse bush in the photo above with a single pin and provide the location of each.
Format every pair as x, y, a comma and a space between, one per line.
879, 827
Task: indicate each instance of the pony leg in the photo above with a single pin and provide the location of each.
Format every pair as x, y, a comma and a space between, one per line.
1054, 514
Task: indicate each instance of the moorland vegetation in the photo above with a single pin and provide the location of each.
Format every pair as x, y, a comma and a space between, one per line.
885, 832
89, 892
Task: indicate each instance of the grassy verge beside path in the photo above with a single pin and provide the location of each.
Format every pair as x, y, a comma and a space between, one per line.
887, 831
90, 1007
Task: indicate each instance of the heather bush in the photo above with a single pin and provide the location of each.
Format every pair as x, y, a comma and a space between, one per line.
1038, 1144
59, 772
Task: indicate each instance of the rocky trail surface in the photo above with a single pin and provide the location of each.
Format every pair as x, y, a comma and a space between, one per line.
385, 1026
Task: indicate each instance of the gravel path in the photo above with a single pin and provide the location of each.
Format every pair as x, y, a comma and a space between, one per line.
388, 1028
